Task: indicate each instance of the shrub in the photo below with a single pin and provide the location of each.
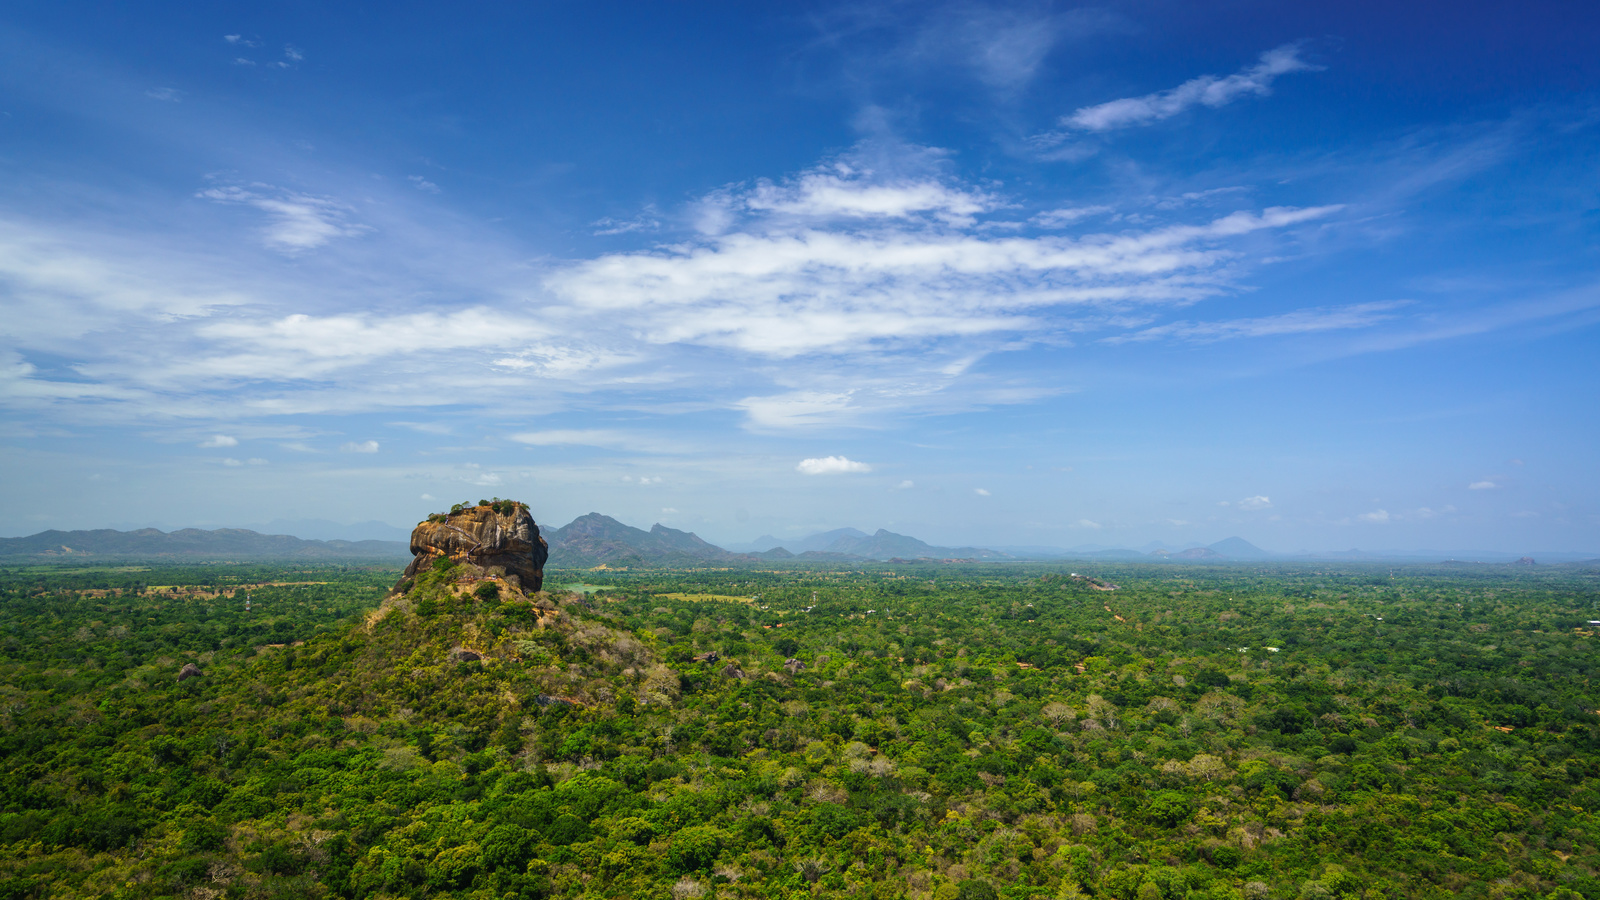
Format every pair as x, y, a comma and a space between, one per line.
489, 590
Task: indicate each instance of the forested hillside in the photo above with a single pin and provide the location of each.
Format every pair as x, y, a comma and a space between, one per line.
918, 731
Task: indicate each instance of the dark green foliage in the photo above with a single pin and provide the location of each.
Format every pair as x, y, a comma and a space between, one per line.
973, 889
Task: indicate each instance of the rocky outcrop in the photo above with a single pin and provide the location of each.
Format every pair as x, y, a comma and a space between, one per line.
189, 670
499, 539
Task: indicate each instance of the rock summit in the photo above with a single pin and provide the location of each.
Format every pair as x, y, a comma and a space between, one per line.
495, 539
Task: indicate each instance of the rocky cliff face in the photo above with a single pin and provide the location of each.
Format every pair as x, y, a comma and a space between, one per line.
500, 539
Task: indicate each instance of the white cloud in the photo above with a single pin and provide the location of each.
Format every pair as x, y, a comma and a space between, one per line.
580, 437
1058, 218
303, 346
170, 95
797, 409
1484, 485
241, 61
1303, 321
839, 262
1087, 523
982, 492
668, 509
231, 38
845, 296
830, 465
1207, 90
230, 461
362, 447
299, 221
848, 192
292, 53
427, 497
906, 485
257, 461
1378, 516
219, 440
1256, 502
423, 184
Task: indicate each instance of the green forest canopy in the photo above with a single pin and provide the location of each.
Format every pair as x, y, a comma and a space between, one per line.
927, 731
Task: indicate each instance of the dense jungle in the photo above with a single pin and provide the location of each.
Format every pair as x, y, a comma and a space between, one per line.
918, 730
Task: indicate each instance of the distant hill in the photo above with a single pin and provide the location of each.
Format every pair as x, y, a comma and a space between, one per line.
594, 539
190, 544
885, 544
1234, 548
759, 545
1238, 548
851, 543
823, 541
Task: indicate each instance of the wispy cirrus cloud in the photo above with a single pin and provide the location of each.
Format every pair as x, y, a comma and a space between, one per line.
1304, 321
839, 260
647, 220
299, 222
852, 292
844, 190
1206, 90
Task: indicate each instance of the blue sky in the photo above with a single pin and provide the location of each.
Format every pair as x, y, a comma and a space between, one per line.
1043, 274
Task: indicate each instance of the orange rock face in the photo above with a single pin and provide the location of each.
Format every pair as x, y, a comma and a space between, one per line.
506, 544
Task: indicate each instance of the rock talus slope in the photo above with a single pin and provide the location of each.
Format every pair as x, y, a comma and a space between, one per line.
500, 539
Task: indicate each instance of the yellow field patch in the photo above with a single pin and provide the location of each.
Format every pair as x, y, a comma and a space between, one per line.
707, 598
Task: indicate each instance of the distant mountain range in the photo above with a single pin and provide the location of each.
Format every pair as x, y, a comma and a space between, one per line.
594, 540
189, 544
